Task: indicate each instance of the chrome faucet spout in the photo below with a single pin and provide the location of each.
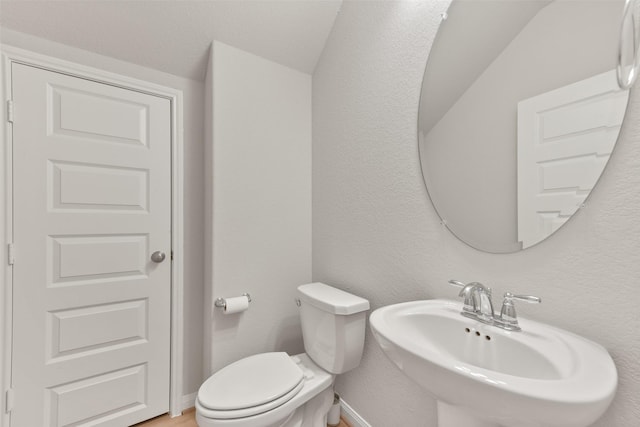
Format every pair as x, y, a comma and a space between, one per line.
470, 304
467, 289
477, 301
485, 305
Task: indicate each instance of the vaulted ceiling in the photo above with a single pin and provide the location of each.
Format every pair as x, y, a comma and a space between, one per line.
174, 36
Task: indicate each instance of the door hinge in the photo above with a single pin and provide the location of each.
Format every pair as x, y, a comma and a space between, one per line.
9, 398
10, 111
11, 256
171, 255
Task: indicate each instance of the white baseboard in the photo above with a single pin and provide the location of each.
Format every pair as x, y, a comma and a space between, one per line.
189, 401
351, 416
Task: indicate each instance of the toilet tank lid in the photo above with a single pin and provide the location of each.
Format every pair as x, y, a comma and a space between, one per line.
332, 300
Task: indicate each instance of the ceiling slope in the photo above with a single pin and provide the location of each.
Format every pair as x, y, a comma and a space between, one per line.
174, 36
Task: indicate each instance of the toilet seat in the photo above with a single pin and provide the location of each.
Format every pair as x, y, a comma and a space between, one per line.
315, 386
251, 386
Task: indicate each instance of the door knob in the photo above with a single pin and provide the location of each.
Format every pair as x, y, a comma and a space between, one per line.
157, 256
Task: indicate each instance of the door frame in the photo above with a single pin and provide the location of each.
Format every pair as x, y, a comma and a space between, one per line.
10, 55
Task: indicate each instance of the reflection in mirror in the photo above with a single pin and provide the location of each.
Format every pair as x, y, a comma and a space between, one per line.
519, 112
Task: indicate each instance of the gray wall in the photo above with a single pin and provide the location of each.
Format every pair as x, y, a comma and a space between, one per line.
376, 234
258, 201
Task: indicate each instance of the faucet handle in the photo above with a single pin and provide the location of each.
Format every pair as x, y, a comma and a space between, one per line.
508, 316
457, 283
527, 298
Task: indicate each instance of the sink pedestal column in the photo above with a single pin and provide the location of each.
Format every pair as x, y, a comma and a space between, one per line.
454, 416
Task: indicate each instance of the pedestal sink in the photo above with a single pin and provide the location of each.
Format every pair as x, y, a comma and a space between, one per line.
484, 376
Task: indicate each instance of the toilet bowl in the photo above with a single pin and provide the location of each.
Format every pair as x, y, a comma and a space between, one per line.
270, 403
279, 390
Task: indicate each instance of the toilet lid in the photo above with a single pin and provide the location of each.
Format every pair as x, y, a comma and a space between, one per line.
253, 381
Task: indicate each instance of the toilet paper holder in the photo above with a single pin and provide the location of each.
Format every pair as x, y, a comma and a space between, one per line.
222, 302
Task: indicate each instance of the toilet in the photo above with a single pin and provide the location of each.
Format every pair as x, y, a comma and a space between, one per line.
278, 390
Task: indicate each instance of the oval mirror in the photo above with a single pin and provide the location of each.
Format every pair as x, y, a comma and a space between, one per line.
519, 112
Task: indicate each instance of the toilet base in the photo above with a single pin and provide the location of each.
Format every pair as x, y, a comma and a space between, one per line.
315, 411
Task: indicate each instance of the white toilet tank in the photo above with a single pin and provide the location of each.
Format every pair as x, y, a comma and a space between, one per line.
333, 326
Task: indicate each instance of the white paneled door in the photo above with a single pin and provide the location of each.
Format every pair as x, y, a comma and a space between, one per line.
565, 138
92, 203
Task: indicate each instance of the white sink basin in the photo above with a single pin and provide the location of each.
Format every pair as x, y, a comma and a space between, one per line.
540, 376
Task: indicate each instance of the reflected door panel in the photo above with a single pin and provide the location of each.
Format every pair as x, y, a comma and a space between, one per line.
565, 138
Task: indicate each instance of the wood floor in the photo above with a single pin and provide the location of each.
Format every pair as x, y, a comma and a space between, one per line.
188, 419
